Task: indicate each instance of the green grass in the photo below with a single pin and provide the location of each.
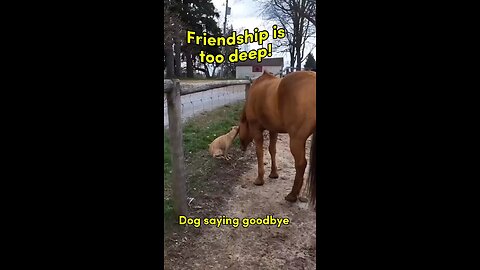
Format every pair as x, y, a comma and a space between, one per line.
198, 133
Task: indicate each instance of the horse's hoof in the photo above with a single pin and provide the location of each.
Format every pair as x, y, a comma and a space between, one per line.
291, 198
258, 182
273, 175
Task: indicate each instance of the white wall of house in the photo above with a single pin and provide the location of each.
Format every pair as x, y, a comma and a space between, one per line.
246, 71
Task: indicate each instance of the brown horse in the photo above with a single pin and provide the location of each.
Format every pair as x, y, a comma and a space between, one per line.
280, 105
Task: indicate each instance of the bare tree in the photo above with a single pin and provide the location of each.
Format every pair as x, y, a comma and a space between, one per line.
307, 10
290, 15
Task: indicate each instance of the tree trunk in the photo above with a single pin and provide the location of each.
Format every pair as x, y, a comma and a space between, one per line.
178, 62
207, 72
213, 72
304, 23
169, 58
296, 40
292, 57
188, 58
299, 57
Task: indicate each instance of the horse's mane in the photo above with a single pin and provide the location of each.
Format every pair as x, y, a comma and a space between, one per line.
264, 76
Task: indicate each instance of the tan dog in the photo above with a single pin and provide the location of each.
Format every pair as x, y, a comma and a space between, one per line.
220, 145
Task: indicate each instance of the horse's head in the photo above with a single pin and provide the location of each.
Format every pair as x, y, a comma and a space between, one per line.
244, 135
244, 132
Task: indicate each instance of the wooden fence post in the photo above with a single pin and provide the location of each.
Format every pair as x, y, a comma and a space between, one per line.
176, 149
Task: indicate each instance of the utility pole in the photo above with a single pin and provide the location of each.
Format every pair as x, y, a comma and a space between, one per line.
225, 23
225, 35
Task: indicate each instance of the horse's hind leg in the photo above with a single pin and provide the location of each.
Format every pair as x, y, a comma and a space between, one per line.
258, 138
297, 147
272, 148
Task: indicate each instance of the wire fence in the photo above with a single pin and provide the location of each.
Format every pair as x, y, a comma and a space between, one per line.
196, 103
183, 100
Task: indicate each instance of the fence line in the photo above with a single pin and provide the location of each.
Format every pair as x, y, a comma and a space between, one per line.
174, 90
168, 86
199, 102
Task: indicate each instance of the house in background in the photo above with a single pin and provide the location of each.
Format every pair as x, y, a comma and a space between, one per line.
252, 69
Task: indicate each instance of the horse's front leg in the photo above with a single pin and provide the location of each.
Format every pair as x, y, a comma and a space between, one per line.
272, 148
258, 138
297, 147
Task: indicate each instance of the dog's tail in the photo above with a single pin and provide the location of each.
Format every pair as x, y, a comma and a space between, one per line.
312, 177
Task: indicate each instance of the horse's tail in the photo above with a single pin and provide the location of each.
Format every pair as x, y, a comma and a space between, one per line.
312, 172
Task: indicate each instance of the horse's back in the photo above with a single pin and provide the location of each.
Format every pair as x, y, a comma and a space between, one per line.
297, 101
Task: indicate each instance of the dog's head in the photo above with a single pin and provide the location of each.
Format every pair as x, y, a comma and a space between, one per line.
234, 129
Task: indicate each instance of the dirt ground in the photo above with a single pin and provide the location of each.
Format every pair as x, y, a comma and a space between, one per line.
233, 194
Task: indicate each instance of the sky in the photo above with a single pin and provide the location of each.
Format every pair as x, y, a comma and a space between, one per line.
246, 14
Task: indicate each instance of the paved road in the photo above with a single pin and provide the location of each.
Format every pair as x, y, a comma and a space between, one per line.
196, 103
